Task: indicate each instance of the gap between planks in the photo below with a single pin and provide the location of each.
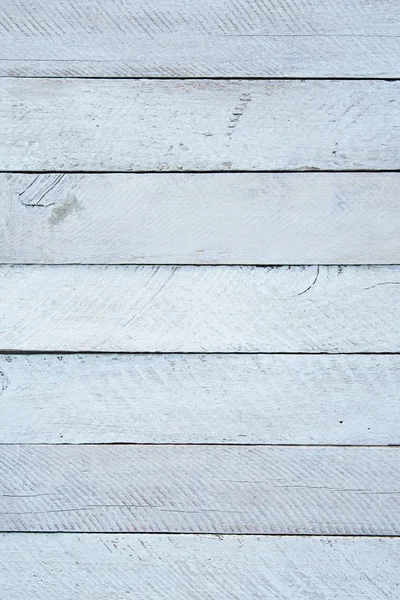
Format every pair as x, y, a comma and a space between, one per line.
191, 171
220, 78
201, 444
206, 265
191, 353
212, 535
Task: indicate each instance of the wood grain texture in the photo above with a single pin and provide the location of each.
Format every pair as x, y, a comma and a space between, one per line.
232, 218
200, 489
151, 567
291, 38
199, 309
257, 399
158, 125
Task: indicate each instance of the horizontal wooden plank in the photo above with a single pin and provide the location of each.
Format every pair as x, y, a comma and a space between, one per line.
200, 489
199, 309
109, 567
219, 218
272, 399
199, 125
317, 38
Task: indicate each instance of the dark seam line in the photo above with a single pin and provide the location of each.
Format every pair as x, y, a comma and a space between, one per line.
199, 352
203, 534
179, 264
207, 265
201, 444
196, 352
195, 78
194, 172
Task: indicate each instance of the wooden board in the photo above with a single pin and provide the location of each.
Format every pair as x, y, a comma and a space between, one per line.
110, 567
242, 399
199, 309
317, 38
129, 125
200, 489
219, 218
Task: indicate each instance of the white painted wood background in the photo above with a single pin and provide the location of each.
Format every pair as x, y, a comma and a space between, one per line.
200, 399
196, 309
269, 218
110, 567
200, 489
199, 332
148, 125
176, 38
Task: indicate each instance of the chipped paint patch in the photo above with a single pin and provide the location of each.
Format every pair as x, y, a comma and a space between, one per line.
61, 212
4, 382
